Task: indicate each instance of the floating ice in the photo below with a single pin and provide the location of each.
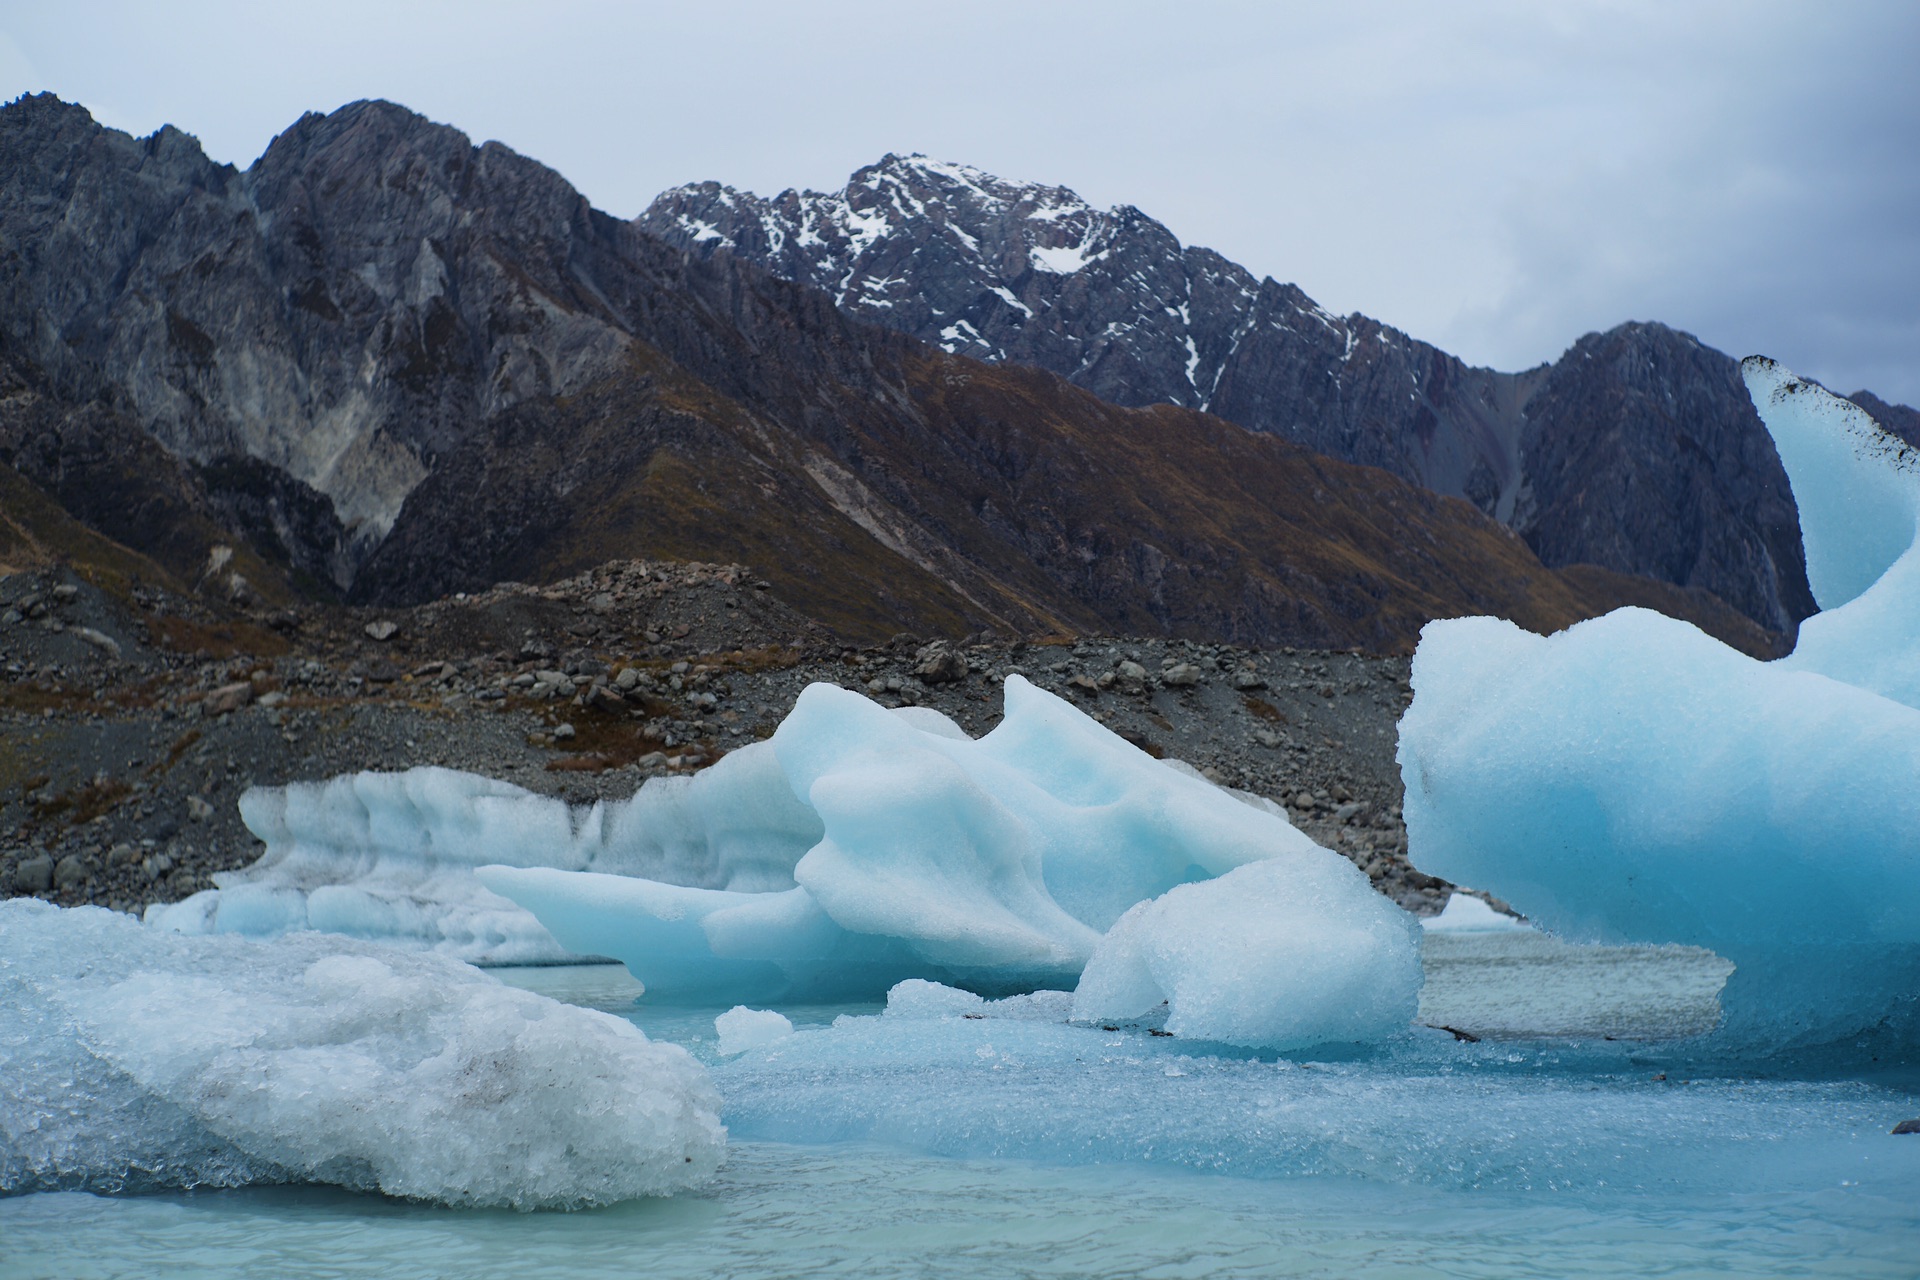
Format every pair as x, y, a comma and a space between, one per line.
1632, 779
391, 855
918, 998
1282, 954
1465, 913
132, 1059
860, 847
995, 863
741, 1029
1858, 490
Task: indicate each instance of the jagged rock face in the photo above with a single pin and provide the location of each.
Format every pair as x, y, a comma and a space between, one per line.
418, 366
1642, 457
1113, 302
345, 309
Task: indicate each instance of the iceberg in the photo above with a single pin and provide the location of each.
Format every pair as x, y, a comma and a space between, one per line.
1633, 780
741, 1029
390, 856
1283, 954
132, 1059
997, 865
858, 848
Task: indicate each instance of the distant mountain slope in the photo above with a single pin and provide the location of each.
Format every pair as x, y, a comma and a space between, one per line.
416, 366
1637, 450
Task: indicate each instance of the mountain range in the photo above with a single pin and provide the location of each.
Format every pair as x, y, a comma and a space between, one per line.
386, 364
1636, 450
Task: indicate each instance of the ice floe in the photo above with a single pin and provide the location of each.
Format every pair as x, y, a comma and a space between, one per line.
1282, 954
1633, 779
391, 855
133, 1059
1000, 864
741, 1029
858, 848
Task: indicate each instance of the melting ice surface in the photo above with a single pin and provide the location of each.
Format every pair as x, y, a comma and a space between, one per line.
943, 1134
1632, 779
132, 1059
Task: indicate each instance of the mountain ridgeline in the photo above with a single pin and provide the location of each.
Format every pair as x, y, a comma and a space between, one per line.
387, 365
1637, 450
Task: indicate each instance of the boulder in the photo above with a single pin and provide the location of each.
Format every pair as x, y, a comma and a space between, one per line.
34, 875
227, 698
938, 664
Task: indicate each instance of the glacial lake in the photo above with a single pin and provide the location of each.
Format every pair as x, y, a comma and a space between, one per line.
1572, 1135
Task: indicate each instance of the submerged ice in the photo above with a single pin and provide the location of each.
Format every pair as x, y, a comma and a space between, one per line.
131, 1059
1632, 779
947, 1073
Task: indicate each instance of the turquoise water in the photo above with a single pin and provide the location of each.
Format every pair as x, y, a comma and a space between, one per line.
874, 1146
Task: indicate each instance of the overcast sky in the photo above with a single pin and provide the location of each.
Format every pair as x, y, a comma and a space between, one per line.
1497, 178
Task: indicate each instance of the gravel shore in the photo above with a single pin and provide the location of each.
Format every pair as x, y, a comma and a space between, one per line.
129, 726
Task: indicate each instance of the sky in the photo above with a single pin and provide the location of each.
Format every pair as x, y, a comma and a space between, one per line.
1494, 176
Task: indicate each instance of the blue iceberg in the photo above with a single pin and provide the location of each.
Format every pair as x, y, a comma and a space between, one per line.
1633, 780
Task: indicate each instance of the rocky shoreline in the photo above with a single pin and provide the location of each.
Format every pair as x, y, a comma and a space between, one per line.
132, 723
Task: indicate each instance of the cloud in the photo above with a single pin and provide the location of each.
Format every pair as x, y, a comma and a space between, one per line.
17, 74
1497, 176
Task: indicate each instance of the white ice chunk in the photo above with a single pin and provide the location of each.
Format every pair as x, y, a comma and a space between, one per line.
1632, 779
741, 1029
1465, 913
917, 998
391, 855
135, 1059
1283, 954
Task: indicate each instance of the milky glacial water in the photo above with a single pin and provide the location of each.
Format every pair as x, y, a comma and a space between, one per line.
882, 1147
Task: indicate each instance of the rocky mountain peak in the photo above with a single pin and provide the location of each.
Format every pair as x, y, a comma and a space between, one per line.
971, 262
354, 303
1023, 273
